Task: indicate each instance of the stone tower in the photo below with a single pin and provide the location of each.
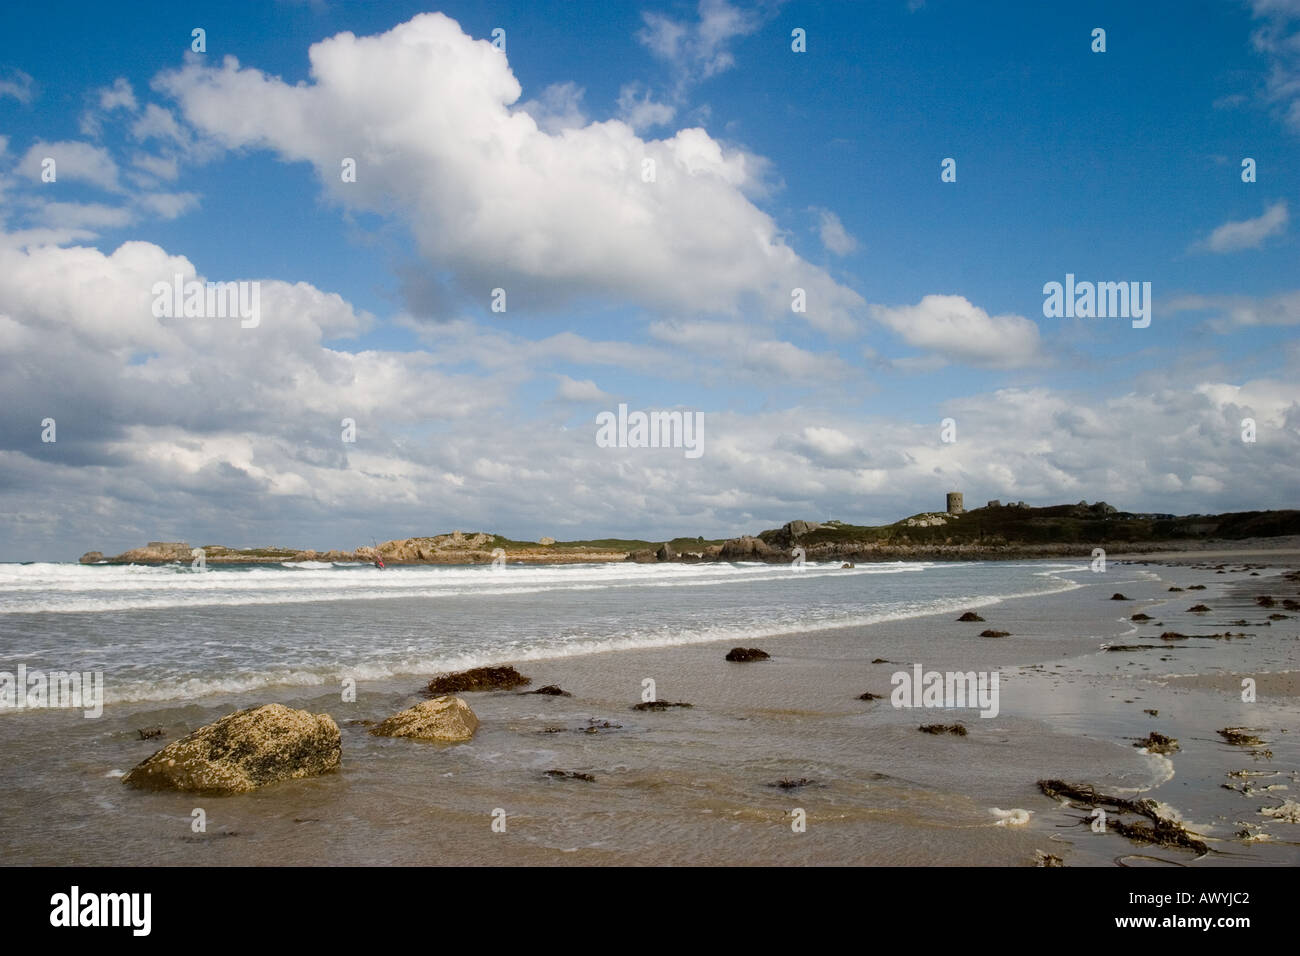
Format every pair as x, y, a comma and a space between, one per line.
955, 503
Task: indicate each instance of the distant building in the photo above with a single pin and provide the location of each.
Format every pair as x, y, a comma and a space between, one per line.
994, 504
955, 506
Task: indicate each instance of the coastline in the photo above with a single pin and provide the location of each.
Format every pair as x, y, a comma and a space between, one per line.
400, 554
696, 786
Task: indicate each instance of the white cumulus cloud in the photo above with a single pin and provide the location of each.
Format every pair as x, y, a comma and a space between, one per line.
426, 111
952, 326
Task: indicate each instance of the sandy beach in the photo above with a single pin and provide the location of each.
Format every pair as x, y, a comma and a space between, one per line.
701, 785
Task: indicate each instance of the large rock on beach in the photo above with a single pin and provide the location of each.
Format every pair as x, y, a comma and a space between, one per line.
443, 718
243, 751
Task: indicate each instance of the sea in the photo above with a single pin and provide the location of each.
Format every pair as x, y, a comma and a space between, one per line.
176, 633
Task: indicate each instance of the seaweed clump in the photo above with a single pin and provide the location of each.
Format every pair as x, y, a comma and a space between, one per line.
1157, 743
1160, 831
659, 704
958, 730
479, 678
1239, 736
570, 775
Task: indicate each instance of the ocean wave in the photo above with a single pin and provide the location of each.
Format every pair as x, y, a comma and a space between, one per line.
78, 589
159, 689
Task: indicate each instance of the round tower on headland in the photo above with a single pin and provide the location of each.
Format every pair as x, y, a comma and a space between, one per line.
955, 506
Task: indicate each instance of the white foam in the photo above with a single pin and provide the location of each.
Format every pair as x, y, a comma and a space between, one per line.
1287, 812
1010, 818
67, 588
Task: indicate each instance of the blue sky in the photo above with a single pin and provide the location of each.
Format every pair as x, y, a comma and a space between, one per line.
819, 169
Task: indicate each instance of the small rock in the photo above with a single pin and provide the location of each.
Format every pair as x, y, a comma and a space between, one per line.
970, 616
447, 719
745, 654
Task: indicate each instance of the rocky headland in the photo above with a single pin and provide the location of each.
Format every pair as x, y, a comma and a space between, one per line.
996, 531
